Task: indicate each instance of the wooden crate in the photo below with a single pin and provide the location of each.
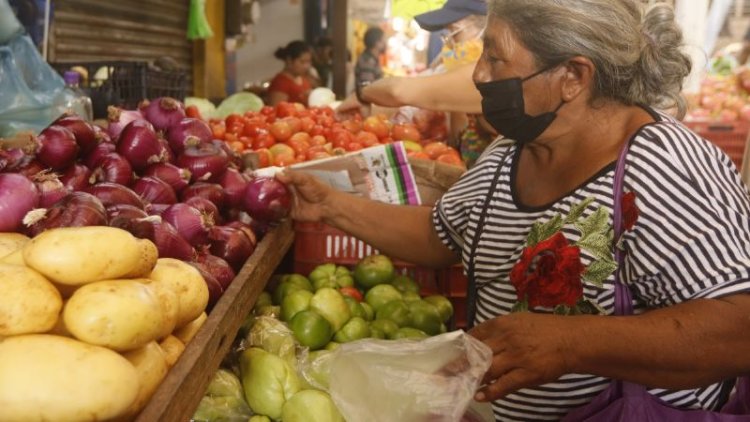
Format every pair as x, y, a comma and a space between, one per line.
185, 384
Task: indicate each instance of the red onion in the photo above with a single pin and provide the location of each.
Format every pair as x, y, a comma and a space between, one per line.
113, 194
97, 154
174, 176
234, 158
231, 245
204, 206
157, 209
266, 199
77, 209
211, 191
14, 159
168, 242
190, 223
101, 135
245, 228
84, 133
124, 211
218, 268
140, 146
234, 184
154, 190
260, 228
112, 168
206, 162
169, 156
76, 177
163, 112
214, 287
50, 188
119, 118
57, 147
31, 168
18, 196
186, 133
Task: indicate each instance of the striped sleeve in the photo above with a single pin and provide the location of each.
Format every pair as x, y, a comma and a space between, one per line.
692, 237
450, 216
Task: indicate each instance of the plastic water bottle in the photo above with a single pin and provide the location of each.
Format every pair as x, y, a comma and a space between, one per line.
78, 102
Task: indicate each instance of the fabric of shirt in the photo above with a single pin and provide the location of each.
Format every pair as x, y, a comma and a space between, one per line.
368, 68
691, 241
296, 92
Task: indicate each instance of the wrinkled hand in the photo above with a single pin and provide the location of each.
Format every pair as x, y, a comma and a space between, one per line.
311, 196
528, 350
351, 106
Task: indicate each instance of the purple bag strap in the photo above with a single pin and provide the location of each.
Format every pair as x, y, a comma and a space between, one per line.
623, 299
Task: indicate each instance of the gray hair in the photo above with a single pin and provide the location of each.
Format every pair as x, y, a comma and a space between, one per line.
637, 53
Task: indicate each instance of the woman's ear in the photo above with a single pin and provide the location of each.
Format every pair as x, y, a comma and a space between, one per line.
579, 75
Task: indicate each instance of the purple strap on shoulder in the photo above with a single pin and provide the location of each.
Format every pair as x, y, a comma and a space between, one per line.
623, 299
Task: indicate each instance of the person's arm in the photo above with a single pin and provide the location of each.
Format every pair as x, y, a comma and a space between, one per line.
402, 232
452, 91
689, 345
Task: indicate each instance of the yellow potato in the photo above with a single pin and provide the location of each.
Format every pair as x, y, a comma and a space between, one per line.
14, 258
82, 255
11, 242
187, 283
173, 348
187, 332
50, 378
150, 363
28, 302
170, 306
119, 314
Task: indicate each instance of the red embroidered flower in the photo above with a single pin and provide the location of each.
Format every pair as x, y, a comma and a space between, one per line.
549, 274
629, 211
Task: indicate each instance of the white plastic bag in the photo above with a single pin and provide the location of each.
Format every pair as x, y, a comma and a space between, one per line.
408, 380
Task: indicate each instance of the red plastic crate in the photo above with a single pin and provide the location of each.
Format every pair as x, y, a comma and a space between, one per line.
315, 244
731, 137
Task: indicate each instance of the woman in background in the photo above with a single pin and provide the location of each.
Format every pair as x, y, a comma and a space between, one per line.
292, 84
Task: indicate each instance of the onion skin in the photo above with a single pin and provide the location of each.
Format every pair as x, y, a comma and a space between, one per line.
119, 118
76, 177
57, 148
234, 184
188, 132
230, 244
190, 223
96, 155
112, 168
205, 206
163, 112
245, 228
50, 188
84, 133
77, 209
139, 144
31, 168
18, 196
206, 162
154, 191
217, 267
211, 191
172, 175
267, 200
168, 242
215, 290
111, 194
124, 211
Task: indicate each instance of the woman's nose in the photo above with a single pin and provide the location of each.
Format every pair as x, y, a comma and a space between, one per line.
481, 71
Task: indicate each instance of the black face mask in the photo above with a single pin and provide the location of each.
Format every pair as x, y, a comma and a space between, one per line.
504, 109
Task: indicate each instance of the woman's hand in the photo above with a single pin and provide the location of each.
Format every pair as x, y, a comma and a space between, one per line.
312, 198
528, 350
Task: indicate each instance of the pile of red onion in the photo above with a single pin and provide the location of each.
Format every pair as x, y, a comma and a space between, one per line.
153, 172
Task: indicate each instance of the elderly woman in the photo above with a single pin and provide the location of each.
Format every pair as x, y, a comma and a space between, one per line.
571, 82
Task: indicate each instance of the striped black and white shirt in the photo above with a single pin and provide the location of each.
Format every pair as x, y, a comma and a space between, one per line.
691, 240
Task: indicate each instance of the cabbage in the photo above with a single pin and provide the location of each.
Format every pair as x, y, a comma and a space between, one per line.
310, 405
239, 103
205, 107
321, 97
268, 381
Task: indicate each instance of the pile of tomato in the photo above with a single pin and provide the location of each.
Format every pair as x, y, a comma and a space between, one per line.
290, 133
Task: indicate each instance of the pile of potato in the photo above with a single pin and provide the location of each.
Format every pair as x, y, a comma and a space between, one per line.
90, 322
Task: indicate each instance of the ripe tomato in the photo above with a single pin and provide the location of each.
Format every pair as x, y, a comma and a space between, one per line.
307, 124
294, 123
234, 119
237, 146
264, 157
283, 160
375, 126
231, 137
406, 133
341, 138
367, 139
218, 130
352, 292
354, 146
263, 140
312, 151
353, 126
316, 130
299, 145
435, 149
418, 154
318, 140
450, 158
285, 109
280, 130
192, 111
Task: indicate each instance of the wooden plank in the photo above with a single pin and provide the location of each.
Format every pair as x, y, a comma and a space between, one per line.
181, 391
142, 27
339, 37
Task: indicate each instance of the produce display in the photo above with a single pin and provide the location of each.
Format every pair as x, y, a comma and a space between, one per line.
276, 372
91, 320
723, 97
290, 133
153, 172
